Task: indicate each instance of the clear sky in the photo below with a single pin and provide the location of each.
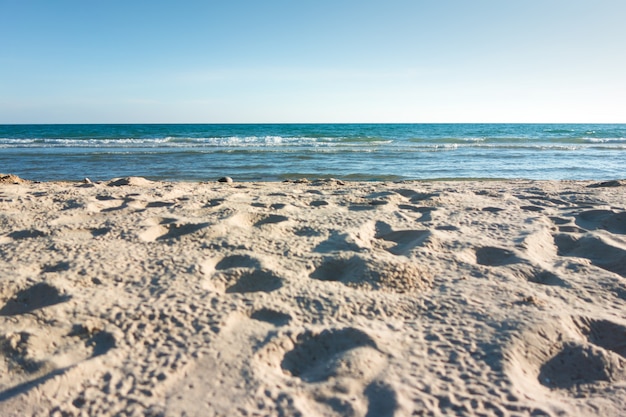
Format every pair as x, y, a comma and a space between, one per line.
135, 61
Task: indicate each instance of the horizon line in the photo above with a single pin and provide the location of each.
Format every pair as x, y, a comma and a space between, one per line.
301, 123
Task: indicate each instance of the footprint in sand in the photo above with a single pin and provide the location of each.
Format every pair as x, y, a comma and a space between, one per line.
404, 240
34, 355
358, 271
33, 298
564, 225
82, 233
419, 197
19, 352
238, 261
361, 206
177, 230
215, 202
382, 400
576, 357
267, 315
319, 203
252, 280
336, 241
245, 220
577, 365
26, 234
332, 353
559, 221
600, 252
271, 219
340, 269
331, 370
603, 219
492, 209
159, 204
241, 273
127, 203
105, 203
29, 358
166, 228
406, 192
603, 358
425, 212
99, 340
540, 276
494, 256
61, 266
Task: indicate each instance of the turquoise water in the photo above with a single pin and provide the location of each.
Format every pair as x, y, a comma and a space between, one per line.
271, 152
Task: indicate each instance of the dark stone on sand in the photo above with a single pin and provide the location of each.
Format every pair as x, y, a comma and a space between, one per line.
613, 183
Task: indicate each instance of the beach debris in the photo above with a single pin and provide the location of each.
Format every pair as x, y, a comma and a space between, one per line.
87, 183
532, 300
613, 183
133, 181
329, 181
10, 179
227, 180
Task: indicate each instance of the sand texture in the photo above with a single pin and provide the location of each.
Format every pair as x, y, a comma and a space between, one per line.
322, 298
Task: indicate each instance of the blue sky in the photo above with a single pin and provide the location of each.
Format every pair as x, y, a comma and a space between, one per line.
110, 61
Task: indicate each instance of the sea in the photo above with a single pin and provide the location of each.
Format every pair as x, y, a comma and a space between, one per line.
277, 152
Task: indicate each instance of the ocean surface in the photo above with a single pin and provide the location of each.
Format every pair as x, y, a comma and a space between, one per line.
274, 152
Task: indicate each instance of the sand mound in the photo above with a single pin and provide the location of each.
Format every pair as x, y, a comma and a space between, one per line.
11, 179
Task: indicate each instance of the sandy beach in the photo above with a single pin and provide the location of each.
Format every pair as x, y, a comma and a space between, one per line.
312, 298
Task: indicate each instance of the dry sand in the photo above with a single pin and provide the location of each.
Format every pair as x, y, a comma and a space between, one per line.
312, 298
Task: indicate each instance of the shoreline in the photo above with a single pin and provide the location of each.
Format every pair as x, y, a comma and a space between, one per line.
328, 297
9, 178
